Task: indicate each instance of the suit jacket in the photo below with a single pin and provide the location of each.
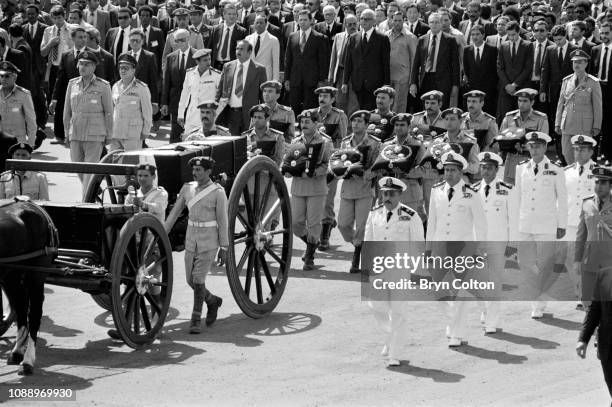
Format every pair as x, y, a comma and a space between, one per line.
268, 55
553, 71
247, 19
336, 62
146, 71
39, 62
174, 78
309, 67
599, 315
489, 27
156, 44
256, 75
360, 70
102, 23
322, 28
482, 76
272, 29
6, 142
286, 31
420, 29
447, 64
587, 46
19, 59
206, 31
109, 40
106, 67
23, 46
67, 70
280, 20
317, 17
238, 33
517, 70
595, 61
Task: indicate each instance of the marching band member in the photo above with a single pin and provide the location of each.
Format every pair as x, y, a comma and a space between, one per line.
476, 119
381, 116
29, 183
542, 200
501, 210
393, 221
336, 123
206, 237
357, 192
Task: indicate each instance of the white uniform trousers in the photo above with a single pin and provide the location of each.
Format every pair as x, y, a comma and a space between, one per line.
536, 256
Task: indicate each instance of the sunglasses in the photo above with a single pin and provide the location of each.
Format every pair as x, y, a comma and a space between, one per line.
539, 30
5, 75
123, 18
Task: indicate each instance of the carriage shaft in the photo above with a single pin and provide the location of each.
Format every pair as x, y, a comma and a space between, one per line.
71, 167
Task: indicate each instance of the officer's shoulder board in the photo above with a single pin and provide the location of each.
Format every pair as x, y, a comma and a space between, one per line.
407, 209
439, 184
594, 78
374, 138
488, 116
335, 109
555, 164
469, 188
75, 79
524, 161
171, 31
377, 207
193, 29
325, 136
24, 90
222, 129
465, 115
469, 136
104, 81
589, 197
283, 107
512, 112
476, 185
276, 132
538, 113
570, 166
568, 76
420, 113
212, 69
347, 138
141, 83
247, 132
191, 69
504, 184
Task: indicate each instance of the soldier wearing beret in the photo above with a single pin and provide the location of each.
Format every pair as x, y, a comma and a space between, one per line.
16, 106
335, 122
476, 119
88, 112
208, 112
381, 116
132, 115
195, 40
282, 117
29, 183
357, 192
206, 238
308, 193
454, 134
260, 131
524, 119
200, 85
196, 14
579, 110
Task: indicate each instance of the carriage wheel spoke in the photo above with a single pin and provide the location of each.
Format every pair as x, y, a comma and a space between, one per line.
136, 311
249, 273
153, 303
245, 255
266, 271
243, 240
258, 280
128, 291
111, 192
244, 222
248, 206
150, 247
266, 219
129, 308
256, 188
277, 232
265, 197
151, 266
144, 232
145, 314
275, 257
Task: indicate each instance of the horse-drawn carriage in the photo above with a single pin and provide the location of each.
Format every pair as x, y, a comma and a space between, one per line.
121, 257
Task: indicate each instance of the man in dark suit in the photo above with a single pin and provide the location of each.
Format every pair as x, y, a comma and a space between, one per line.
480, 67
155, 39
33, 32
238, 89
329, 27
177, 63
306, 63
289, 28
245, 11
274, 30
600, 68
540, 44
436, 70
277, 16
6, 142
362, 50
97, 17
19, 59
577, 31
473, 11
414, 22
592, 258
314, 7
225, 36
146, 67
105, 68
514, 68
556, 66
116, 41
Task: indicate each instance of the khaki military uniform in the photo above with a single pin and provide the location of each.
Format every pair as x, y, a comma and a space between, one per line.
282, 119
17, 113
88, 114
197, 88
579, 110
30, 183
195, 42
473, 169
132, 116
308, 194
215, 130
535, 121
357, 192
156, 202
482, 121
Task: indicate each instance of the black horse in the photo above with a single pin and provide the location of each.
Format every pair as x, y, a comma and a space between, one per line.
27, 238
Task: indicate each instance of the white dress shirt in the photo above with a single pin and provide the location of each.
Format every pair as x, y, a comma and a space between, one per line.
235, 101
126, 39
478, 50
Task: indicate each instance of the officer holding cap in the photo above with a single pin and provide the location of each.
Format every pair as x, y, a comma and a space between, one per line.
477, 119
524, 119
501, 210
282, 117
579, 182
542, 200
195, 41
29, 183
206, 235
392, 221
88, 112
381, 116
208, 113
16, 106
200, 85
456, 214
579, 110
133, 112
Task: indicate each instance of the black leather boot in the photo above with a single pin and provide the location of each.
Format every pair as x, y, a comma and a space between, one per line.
356, 259
325, 232
309, 256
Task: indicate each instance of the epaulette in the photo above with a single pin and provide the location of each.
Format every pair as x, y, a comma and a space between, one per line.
196, 130
592, 77
222, 128
505, 184
5, 172
335, 109
102, 80
570, 166
348, 137
489, 116
193, 29
589, 197
24, 90
538, 113
477, 184
212, 69
247, 132
74, 79
423, 112
138, 81
283, 107
512, 112
465, 115
471, 137
191, 69
171, 31
438, 184
378, 207
276, 132
555, 164
466, 186
374, 137
568, 76
325, 136
524, 161
407, 209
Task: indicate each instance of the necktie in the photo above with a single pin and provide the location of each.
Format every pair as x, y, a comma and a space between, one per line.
429, 65
581, 170
560, 57
467, 32
600, 205
576, 82
182, 65
412, 28
604, 68
257, 44
538, 63
389, 214
225, 46
302, 41
451, 191
512, 51
487, 189
365, 39
478, 55
238, 87
146, 33
32, 31
535, 170
54, 50
119, 48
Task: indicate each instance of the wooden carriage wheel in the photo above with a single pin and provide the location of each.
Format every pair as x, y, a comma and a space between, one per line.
141, 267
259, 254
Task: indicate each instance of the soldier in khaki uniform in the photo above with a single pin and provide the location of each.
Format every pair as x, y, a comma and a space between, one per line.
88, 112
579, 110
526, 118
308, 193
282, 117
16, 106
476, 119
336, 123
357, 192
182, 22
208, 112
454, 134
29, 183
206, 238
132, 116
381, 116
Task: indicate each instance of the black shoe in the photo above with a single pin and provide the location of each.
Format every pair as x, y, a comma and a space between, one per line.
25, 370
308, 258
14, 359
58, 141
213, 306
356, 258
113, 333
